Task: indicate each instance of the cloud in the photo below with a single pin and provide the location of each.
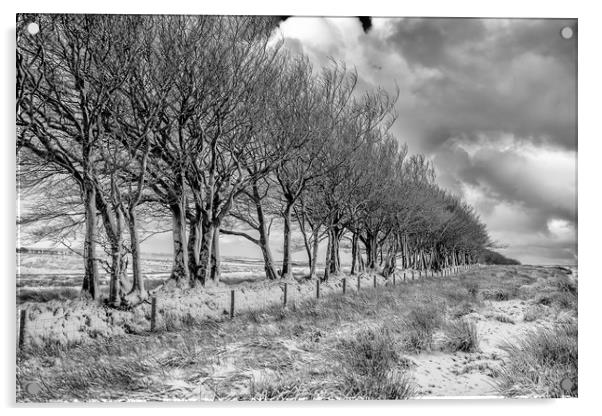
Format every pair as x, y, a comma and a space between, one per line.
524, 193
536, 177
491, 101
515, 76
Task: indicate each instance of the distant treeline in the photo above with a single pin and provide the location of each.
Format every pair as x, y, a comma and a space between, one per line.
47, 251
493, 257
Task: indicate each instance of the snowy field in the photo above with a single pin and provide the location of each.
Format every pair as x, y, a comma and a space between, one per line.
435, 337
42, 276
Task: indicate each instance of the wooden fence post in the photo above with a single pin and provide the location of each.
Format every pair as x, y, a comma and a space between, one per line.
344, 285
317, 289
153, 313
285, 290
393, 279
358, 283
22, 320
374, 281
231, 304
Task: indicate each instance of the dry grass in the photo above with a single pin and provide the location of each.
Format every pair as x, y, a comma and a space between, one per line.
462, 335
503, 318
499, 294
472, 287
309, 350
420, 325
463, 309
372, 367
538, 363
89, 376
533, 313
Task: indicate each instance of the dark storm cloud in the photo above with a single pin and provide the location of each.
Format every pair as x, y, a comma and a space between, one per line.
542, 187
518, 192
515, 76
430, 42
491, 101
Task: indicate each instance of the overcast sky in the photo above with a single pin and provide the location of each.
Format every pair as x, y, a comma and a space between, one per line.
492, 102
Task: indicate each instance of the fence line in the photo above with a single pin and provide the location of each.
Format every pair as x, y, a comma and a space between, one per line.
24, 324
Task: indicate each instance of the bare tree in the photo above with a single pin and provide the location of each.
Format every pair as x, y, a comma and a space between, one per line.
67, 74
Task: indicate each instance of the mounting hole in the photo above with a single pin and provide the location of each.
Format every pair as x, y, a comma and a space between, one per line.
567, 384
566, 32
33, 28
33, 388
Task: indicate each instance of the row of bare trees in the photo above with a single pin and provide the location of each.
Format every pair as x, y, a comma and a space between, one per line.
206, 126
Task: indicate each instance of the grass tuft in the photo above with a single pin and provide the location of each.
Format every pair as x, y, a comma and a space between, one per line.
396, 385
472, 287
565, 284
462, 336
503, 318
499, 294
533, 313
542, 364
420, 325
372, 368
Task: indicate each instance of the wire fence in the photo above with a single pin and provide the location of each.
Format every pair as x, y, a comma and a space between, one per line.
221, 302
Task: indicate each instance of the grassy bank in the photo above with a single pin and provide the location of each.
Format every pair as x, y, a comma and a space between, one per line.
370, 345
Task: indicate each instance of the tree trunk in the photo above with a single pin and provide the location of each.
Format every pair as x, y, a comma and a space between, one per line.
405, 258
308, 250
179, 272
371, 251
264, 238
354, 253
390, 263
204, 269
328, 257
215, 256
286, 259
362, 265
115, 279
90, 285
368, 249
335, 259
306, 243
268, 261
194, 245
138, 280
115, 235
314, 254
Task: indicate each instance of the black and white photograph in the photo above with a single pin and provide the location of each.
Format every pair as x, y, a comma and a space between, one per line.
291, 208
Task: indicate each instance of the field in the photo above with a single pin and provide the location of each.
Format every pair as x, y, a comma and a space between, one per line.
43, 277
491, 331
